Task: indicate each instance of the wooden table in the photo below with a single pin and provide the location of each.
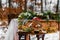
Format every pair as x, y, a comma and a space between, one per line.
51, 24
27, 35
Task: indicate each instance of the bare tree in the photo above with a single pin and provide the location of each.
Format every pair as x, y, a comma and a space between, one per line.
42, 6
25, 5
57, 7
0, 4
45, 4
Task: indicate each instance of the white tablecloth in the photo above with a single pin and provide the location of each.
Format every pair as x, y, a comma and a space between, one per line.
12, 29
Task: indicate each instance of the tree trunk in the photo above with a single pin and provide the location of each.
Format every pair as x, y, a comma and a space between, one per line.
0, 4
25, 5
57, 7
42, 6
45, 4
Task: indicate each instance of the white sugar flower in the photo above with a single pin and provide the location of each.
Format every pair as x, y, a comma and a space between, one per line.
29, 14
19, 16
26, 14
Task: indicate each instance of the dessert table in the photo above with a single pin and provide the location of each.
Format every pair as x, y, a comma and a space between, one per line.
13, 28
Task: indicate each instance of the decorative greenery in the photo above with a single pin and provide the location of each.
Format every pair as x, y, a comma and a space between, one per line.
50, 15
28, 15
47, 14
24, 16
28, 29
58, 17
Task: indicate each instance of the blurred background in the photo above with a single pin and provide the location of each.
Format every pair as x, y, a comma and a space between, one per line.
15, 7
10, 9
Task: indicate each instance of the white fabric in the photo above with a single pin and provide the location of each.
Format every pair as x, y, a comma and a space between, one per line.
12, 29
51, 36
